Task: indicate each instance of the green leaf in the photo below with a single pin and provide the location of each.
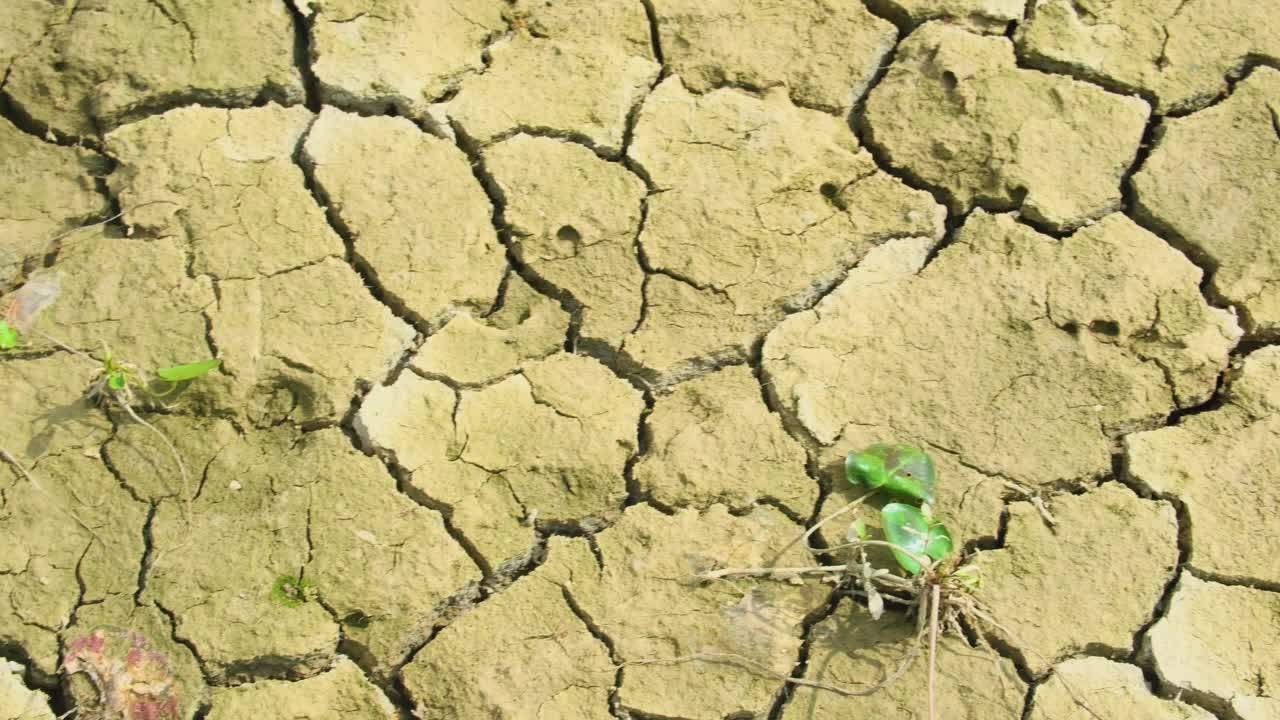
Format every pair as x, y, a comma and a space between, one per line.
8, 336
905, 527
117, 380
903, 470
189, 371
939, 544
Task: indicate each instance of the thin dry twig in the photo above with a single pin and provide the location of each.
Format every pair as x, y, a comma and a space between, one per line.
65, 346
733, 659
809, 532
173, 450
772, 572
926, 598
104, 221
1035, 500
935, 601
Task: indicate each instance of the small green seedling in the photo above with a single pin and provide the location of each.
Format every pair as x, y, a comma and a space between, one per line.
938, 585
291, 592
119, 381
115, 384
901, 470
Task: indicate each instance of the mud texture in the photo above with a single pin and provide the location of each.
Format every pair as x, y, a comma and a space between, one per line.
1219, 464
957, 113
1109, 689
1109, 536
1008, 341
529, 312
640, 594
1179, 53
573, 219
340, 692
19, 701
528, 647
81, 69
989, 16
1227, 217
824, 54
1214, 646
350, 158
714, 440
51, 191
759, 178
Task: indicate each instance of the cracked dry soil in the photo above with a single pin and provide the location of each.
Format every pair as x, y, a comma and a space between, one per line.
530, 310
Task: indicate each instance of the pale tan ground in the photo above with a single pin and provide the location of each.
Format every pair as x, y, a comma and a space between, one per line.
530, 310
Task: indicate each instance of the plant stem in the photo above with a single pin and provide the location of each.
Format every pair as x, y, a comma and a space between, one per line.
65, 346
766, 572
809, 533
935, 599
120, 214
182, 467
924, 562
760, 668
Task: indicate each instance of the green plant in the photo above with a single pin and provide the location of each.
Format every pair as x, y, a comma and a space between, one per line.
291, 591
933, 580
115, 384
119, 382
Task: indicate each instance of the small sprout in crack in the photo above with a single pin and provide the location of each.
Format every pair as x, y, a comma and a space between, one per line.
115, 384
292, 592
118, 383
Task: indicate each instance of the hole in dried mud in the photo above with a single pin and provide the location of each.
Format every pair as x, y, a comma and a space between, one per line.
356, 619
569, 234
949, 81
831, 192
1105, 327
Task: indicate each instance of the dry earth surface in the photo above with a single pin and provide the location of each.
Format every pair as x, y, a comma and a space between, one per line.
530, 310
